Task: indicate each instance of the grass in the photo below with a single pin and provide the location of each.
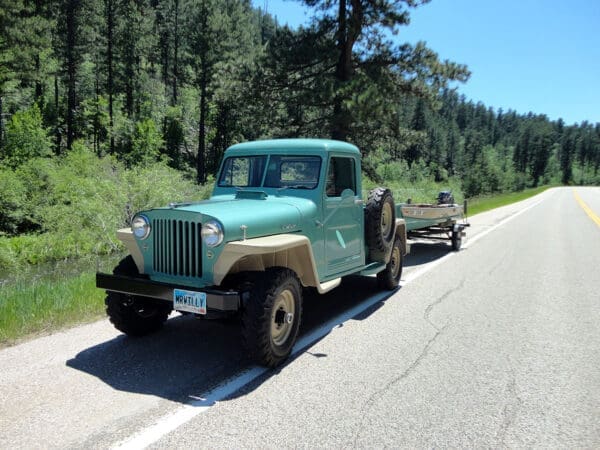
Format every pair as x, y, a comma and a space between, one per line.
481, 204
28, 309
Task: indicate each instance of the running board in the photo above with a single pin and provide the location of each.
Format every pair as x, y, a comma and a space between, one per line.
328, 285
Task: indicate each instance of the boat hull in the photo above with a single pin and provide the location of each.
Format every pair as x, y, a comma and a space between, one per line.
425, 215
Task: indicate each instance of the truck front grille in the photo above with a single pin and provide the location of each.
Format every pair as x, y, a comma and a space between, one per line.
177, 247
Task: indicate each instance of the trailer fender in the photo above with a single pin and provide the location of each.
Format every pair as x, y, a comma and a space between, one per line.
401, 233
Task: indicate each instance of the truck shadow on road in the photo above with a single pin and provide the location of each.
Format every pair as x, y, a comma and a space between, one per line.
190, 356
425, 252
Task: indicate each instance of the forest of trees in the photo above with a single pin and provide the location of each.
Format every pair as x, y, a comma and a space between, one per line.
178, 81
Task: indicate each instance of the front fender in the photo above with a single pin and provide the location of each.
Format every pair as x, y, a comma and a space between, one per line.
283, 250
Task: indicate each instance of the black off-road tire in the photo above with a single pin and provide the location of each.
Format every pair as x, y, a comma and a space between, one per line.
456, 239
389, 278
132, 314
271, 316
380, 223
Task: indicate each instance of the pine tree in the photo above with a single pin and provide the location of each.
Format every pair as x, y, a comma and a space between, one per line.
345, 54
24, 48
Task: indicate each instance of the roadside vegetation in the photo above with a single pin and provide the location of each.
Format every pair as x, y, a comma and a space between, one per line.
30, 308
41, 307
486, 203
70, 206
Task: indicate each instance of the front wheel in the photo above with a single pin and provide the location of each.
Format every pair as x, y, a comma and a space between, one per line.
132, 314
271, 317
389, 278
135, 316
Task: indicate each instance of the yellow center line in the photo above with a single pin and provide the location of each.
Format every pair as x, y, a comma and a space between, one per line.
586, 208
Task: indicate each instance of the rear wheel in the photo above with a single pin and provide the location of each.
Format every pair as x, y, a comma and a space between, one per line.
389, 278
271, 317
132, 314
456, 240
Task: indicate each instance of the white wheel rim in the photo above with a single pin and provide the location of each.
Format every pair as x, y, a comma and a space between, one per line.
282, 317
386, 219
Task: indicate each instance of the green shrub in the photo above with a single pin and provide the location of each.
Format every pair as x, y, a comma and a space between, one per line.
416, 182
146, 143
12, 202
25, 138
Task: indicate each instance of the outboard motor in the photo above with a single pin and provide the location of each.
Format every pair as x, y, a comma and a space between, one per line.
445, 197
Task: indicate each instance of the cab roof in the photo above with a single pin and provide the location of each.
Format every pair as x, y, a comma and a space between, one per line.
283, 145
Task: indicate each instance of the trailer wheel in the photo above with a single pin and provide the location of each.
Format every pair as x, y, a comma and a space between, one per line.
132, 314
456, 240
389, 278
271, 317
380, 223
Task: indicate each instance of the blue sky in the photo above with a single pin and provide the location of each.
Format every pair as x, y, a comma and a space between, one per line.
528, 55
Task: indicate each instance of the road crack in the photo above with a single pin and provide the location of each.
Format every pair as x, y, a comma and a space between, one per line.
512, 406
375, 396
429, 309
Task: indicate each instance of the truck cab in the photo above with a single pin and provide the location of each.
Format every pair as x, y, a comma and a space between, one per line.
320, 178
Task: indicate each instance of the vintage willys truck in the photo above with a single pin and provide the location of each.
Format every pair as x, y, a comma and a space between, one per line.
284, 215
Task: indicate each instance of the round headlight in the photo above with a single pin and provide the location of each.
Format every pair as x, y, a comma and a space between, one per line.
212, 233
140, 225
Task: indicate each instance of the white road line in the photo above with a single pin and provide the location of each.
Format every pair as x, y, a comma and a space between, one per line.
185, 413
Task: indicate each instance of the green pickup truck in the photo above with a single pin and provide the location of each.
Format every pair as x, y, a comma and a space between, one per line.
284, 215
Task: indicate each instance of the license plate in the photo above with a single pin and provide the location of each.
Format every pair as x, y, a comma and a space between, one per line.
189, 301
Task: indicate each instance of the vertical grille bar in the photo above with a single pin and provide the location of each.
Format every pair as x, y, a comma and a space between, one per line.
169, 249
198, 249
177, 247
193, 248
186, 227
163, 231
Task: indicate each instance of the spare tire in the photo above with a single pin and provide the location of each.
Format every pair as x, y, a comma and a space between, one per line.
380, 223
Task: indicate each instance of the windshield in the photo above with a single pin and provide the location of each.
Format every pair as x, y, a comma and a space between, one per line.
293, 172
243, 171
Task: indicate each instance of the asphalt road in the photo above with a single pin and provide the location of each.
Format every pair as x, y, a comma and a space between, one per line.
494, 346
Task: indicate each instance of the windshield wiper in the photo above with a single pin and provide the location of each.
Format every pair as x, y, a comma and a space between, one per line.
297, 186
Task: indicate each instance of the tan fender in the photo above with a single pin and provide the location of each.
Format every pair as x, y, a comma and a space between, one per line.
284, 250
125, 235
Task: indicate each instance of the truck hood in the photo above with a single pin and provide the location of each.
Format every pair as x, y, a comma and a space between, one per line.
260, 216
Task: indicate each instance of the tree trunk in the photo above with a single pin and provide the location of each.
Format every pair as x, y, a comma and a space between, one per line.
39, 86
97, 115
347, 34
201, 160
129, 61
176, 53
202, 81
110, 26
57, 136
1, 123
71, 14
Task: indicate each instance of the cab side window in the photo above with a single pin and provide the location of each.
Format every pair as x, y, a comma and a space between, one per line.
340, 176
